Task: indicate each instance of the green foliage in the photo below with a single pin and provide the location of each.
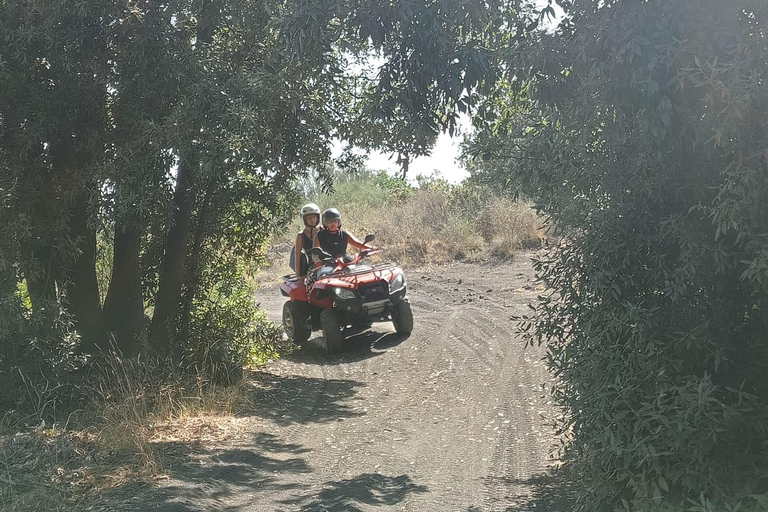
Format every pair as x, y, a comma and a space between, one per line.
228, 326
421, 64
435, 222
397, 188
99, 105
640, 129
159, 128
367, 190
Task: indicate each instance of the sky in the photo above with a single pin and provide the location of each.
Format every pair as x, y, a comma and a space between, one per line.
443, 158
446, 151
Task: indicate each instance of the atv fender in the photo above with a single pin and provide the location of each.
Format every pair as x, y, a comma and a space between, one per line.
296, 290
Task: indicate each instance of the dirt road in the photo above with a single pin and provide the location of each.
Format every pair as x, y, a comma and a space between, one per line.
450, 418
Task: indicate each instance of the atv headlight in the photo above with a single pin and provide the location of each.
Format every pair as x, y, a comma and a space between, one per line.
397, 283
344, 293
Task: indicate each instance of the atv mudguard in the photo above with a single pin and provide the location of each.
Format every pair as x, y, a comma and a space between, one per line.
295, 289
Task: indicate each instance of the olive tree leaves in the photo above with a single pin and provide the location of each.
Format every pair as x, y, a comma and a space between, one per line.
640, 128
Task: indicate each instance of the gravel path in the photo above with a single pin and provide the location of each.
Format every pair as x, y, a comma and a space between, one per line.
450, 418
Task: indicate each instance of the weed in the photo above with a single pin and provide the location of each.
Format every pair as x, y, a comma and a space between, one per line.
436, 223
116, 438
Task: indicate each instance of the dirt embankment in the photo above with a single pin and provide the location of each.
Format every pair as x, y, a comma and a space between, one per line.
453, 417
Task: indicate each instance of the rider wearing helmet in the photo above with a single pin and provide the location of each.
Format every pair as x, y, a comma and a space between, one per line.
310, 215
332, 239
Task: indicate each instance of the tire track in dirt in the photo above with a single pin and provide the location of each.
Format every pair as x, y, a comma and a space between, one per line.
455, 320
446, 419
443, 379
521, 442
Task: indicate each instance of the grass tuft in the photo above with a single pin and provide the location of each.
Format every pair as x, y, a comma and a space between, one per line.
434, 224
136, 407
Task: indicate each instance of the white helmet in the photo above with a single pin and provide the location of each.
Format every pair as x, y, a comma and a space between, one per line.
309, 209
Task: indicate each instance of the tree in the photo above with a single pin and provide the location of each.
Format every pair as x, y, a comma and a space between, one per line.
640, 129
176, 132
107, 108
418, 65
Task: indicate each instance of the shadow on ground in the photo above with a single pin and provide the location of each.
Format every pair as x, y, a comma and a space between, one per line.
358, 346
301, 400
253, 477
225, 479
348, 495
546, 492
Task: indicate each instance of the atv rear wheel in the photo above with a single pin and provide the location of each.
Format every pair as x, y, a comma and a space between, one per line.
402, 317
295, 317
329, 321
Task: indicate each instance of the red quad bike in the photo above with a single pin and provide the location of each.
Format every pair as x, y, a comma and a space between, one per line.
347, 294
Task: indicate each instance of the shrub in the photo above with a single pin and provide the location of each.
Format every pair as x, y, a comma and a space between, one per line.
227, 328
434, 223
644, 139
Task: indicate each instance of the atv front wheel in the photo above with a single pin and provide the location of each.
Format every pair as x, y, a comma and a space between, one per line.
295, 317
329, 321
402, 317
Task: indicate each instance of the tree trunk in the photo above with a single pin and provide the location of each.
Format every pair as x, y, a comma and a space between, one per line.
193, 274
83, 287
79, 269
124, 304
172, 268
168, 299
37, 267
404, 160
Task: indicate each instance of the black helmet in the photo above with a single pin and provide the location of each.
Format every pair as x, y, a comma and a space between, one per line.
331, 214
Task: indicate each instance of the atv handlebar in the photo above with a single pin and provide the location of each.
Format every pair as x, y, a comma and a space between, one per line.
341, 262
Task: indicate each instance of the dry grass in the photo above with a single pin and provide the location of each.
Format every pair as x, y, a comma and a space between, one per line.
277, 258
140, 406
429, 227
425, 229
511, 226
432, 227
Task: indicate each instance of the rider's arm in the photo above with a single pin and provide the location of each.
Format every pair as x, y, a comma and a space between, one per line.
357, 243
297, 255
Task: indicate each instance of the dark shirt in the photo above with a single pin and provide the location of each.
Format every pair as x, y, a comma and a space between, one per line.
334, 244
306, 246
306, 243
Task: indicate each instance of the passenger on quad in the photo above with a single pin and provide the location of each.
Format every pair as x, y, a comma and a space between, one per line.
344, 292
332, 239
310, 215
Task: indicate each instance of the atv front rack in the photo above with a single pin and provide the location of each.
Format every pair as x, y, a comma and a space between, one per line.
289, 278
353, 272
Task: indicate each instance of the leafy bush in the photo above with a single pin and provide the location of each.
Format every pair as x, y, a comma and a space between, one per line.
643, 137
436, 222
225, 327
38, 353
228, 327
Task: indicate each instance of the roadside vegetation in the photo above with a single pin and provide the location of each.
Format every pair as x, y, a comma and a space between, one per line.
98, 431
430, 222
120, 425
150, 153
640, 128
